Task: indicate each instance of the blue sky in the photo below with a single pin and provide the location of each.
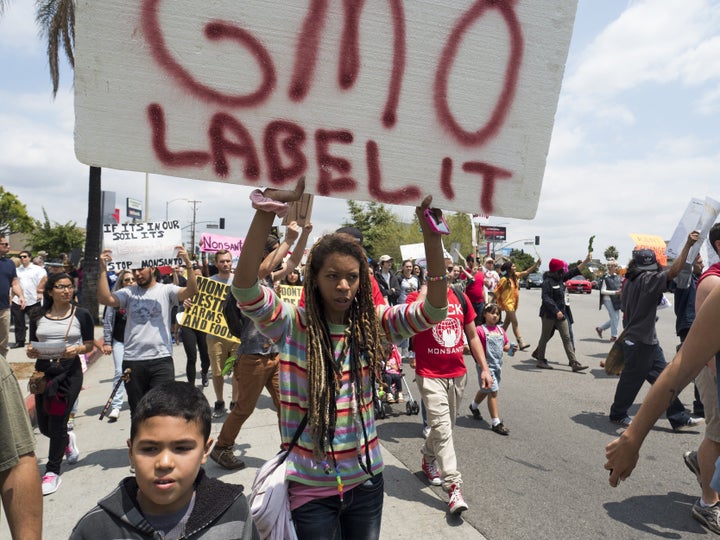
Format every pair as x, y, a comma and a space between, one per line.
635, 135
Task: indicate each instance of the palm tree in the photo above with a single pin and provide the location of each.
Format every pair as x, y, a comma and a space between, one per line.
56, 21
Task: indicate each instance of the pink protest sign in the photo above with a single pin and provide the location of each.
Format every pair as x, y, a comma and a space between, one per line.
381, 100
210, 243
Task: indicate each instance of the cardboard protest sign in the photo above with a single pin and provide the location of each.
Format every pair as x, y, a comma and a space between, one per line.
299, 211
650, 241
206, 312
138, 245
290, 293
210, 243
379, 100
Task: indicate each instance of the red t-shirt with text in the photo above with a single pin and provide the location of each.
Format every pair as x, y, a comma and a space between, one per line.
439, 351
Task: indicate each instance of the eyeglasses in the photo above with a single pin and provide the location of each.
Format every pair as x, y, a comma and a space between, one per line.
61, 287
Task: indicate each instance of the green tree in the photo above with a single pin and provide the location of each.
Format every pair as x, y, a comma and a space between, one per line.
56, 21
13, 213
611, 253
381, 228
54, 237
521, 259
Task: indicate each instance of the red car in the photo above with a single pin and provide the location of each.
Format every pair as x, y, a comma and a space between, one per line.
578, 284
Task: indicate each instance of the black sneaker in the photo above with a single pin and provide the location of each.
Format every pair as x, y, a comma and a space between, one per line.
475, 413
204, 377
690, 423
219, 409
501, 429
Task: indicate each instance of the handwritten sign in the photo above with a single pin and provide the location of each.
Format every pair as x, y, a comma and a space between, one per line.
206, 312
379, 100
210, 243
290, 293
139, 245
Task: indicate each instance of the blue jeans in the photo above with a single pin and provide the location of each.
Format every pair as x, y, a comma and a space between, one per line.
612, 322
358, 517
118, 349
642, 363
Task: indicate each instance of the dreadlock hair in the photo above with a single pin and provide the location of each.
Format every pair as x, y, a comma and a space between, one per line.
362, 339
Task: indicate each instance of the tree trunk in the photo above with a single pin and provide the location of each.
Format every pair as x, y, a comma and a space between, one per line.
93, 241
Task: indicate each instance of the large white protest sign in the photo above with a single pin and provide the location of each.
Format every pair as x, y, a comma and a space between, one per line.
138, 245
699, 215
383, 100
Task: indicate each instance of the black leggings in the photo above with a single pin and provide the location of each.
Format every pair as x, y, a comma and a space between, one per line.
55, 427
194, 340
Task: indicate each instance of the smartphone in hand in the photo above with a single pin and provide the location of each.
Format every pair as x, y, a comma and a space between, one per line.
436, 222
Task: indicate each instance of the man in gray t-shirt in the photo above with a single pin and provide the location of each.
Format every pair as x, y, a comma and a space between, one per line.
644, 359
148, 342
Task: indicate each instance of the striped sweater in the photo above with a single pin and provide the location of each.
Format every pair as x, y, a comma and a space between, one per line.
287, 323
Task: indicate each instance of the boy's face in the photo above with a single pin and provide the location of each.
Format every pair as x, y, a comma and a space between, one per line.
167, 453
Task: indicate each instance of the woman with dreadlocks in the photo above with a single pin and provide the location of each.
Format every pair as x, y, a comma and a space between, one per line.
330, 356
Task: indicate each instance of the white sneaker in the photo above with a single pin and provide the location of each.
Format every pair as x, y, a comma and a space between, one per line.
50, 483
71, 451
114, 415
389, 397
426, 432
400, 398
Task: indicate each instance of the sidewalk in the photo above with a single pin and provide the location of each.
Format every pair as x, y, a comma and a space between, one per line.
412, 509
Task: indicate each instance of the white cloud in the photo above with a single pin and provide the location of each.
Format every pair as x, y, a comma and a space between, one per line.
17, 27
653, 41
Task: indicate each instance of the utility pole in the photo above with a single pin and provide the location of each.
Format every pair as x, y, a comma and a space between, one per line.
192, 237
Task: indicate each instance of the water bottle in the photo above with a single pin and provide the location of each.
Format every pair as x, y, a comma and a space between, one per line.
512, 349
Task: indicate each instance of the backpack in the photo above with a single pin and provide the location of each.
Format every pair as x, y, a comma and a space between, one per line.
460, 295
234, 318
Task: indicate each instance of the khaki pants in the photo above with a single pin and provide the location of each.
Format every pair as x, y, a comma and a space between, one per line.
442, 399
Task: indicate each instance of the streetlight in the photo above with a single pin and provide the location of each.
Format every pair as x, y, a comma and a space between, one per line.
167, 204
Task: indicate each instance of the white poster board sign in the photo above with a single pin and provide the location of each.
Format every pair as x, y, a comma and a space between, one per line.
139, 245
379, 100
699, 216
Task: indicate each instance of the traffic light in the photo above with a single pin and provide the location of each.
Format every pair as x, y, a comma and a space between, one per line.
222, 223
537, 240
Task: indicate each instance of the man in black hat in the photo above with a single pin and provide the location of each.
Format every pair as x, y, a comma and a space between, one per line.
644, 359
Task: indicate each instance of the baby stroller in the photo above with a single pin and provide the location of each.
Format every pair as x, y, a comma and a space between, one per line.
411, 406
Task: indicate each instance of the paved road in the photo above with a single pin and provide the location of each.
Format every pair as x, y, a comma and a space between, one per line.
546, 479
543, 481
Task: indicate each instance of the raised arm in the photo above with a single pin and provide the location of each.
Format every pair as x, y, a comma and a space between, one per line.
191, 288
246, 271
679, 262
436, 270
278, 255
104, 296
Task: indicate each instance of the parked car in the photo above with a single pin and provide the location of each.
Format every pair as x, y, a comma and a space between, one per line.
578, 284
533, 280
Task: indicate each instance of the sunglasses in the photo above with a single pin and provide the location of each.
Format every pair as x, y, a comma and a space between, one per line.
24, 257
4, 244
